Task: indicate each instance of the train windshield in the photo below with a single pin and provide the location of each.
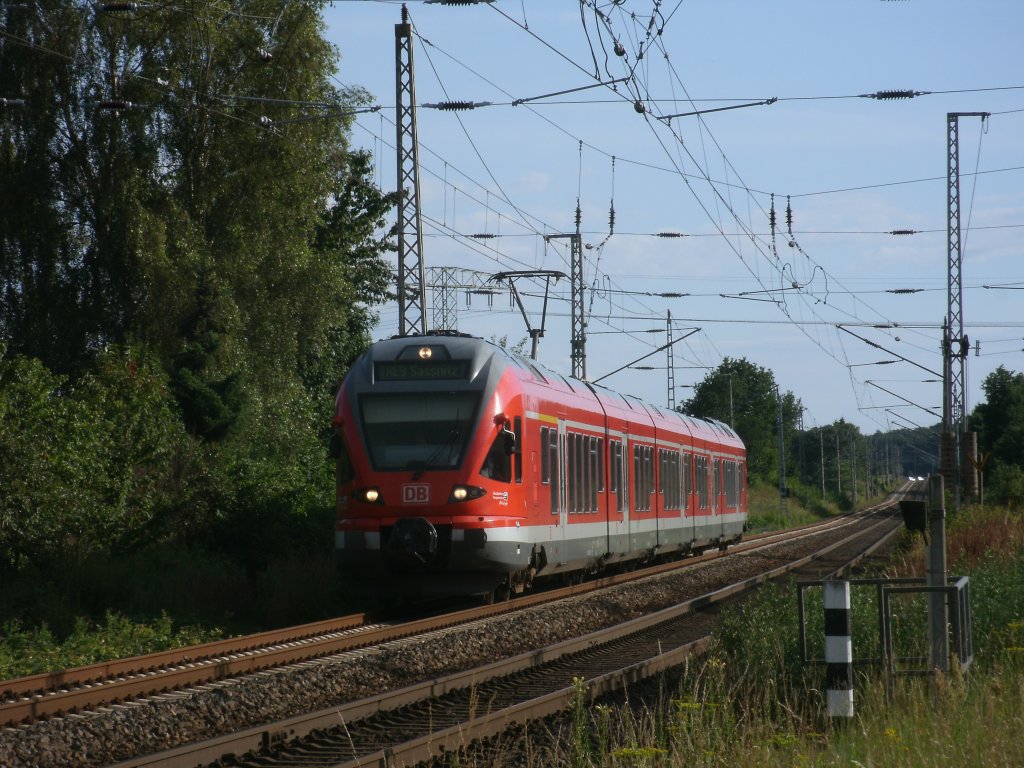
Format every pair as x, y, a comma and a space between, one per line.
418, 431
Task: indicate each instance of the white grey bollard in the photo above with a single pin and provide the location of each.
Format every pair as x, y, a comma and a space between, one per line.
838, 649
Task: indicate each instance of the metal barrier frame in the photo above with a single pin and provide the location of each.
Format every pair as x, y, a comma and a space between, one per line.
958, 602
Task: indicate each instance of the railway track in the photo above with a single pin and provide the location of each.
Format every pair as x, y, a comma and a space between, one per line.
334, 640
38, 697
428, 720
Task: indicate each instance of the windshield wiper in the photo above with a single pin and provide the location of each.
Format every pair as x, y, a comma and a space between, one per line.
420, 467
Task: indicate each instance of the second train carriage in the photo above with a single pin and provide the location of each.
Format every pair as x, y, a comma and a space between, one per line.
464, 468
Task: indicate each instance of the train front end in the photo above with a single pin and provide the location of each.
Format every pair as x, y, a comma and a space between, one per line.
424, 432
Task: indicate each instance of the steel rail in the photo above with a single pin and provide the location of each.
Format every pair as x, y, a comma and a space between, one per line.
83, 688
92, 673
264, 737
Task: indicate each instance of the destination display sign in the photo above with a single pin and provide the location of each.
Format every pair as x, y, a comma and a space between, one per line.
427, 370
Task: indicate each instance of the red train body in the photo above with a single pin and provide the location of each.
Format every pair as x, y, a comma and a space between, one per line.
465, 469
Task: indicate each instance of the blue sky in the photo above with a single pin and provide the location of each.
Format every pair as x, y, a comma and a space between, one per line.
850, 169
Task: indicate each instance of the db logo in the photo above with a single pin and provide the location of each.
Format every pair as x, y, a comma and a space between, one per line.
416, 493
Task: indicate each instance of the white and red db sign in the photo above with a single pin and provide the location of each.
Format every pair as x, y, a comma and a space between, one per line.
416, 493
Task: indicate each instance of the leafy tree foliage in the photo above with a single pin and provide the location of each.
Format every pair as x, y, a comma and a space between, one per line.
180, 188
999, 422
84, 466
831, 456
746, 396
190, 254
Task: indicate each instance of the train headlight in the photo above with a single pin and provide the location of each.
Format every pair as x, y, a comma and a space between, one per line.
465, 493
369, 495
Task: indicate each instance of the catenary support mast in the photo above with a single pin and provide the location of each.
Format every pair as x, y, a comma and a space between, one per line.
955, 344
412, 301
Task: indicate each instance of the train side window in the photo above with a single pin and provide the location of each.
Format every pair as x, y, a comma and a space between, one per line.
623, 470
646, 466
545, 456
588, 474
517, 429
702, 481
584, 459
570, 469
671, 481
613, 475
702, 487
677, 468
637, 474
643, 471
716, 483
583, 475
729, 470
600, 463
705, 483
580, 477
498, 462
649, 466
679, 481
553, 464
344, 471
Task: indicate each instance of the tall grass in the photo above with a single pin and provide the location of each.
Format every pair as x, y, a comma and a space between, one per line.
752, 702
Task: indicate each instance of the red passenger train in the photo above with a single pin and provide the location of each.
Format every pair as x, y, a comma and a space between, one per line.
466, 469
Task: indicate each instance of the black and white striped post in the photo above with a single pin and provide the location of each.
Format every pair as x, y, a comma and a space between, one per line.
838, 649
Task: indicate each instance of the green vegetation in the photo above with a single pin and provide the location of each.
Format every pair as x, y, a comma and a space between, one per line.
752, 702
836, 467
29, 652
183, 285
999, 422
825, 468
802, 506
190, 256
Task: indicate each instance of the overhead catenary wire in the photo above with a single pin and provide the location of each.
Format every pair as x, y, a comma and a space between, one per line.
736, 231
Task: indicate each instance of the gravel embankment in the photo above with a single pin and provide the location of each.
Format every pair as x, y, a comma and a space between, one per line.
123, 731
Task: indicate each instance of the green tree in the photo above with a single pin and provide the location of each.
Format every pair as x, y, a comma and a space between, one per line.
999, 422
87, 467
838, 456
179, 185
188, 173
746, 396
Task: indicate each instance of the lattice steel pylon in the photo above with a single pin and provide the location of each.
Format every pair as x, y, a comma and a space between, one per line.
445, 282
412, 296
955, 343
671, 363
578, 343
579, 323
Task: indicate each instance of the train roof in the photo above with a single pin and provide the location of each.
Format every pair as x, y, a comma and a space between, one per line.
478, 352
